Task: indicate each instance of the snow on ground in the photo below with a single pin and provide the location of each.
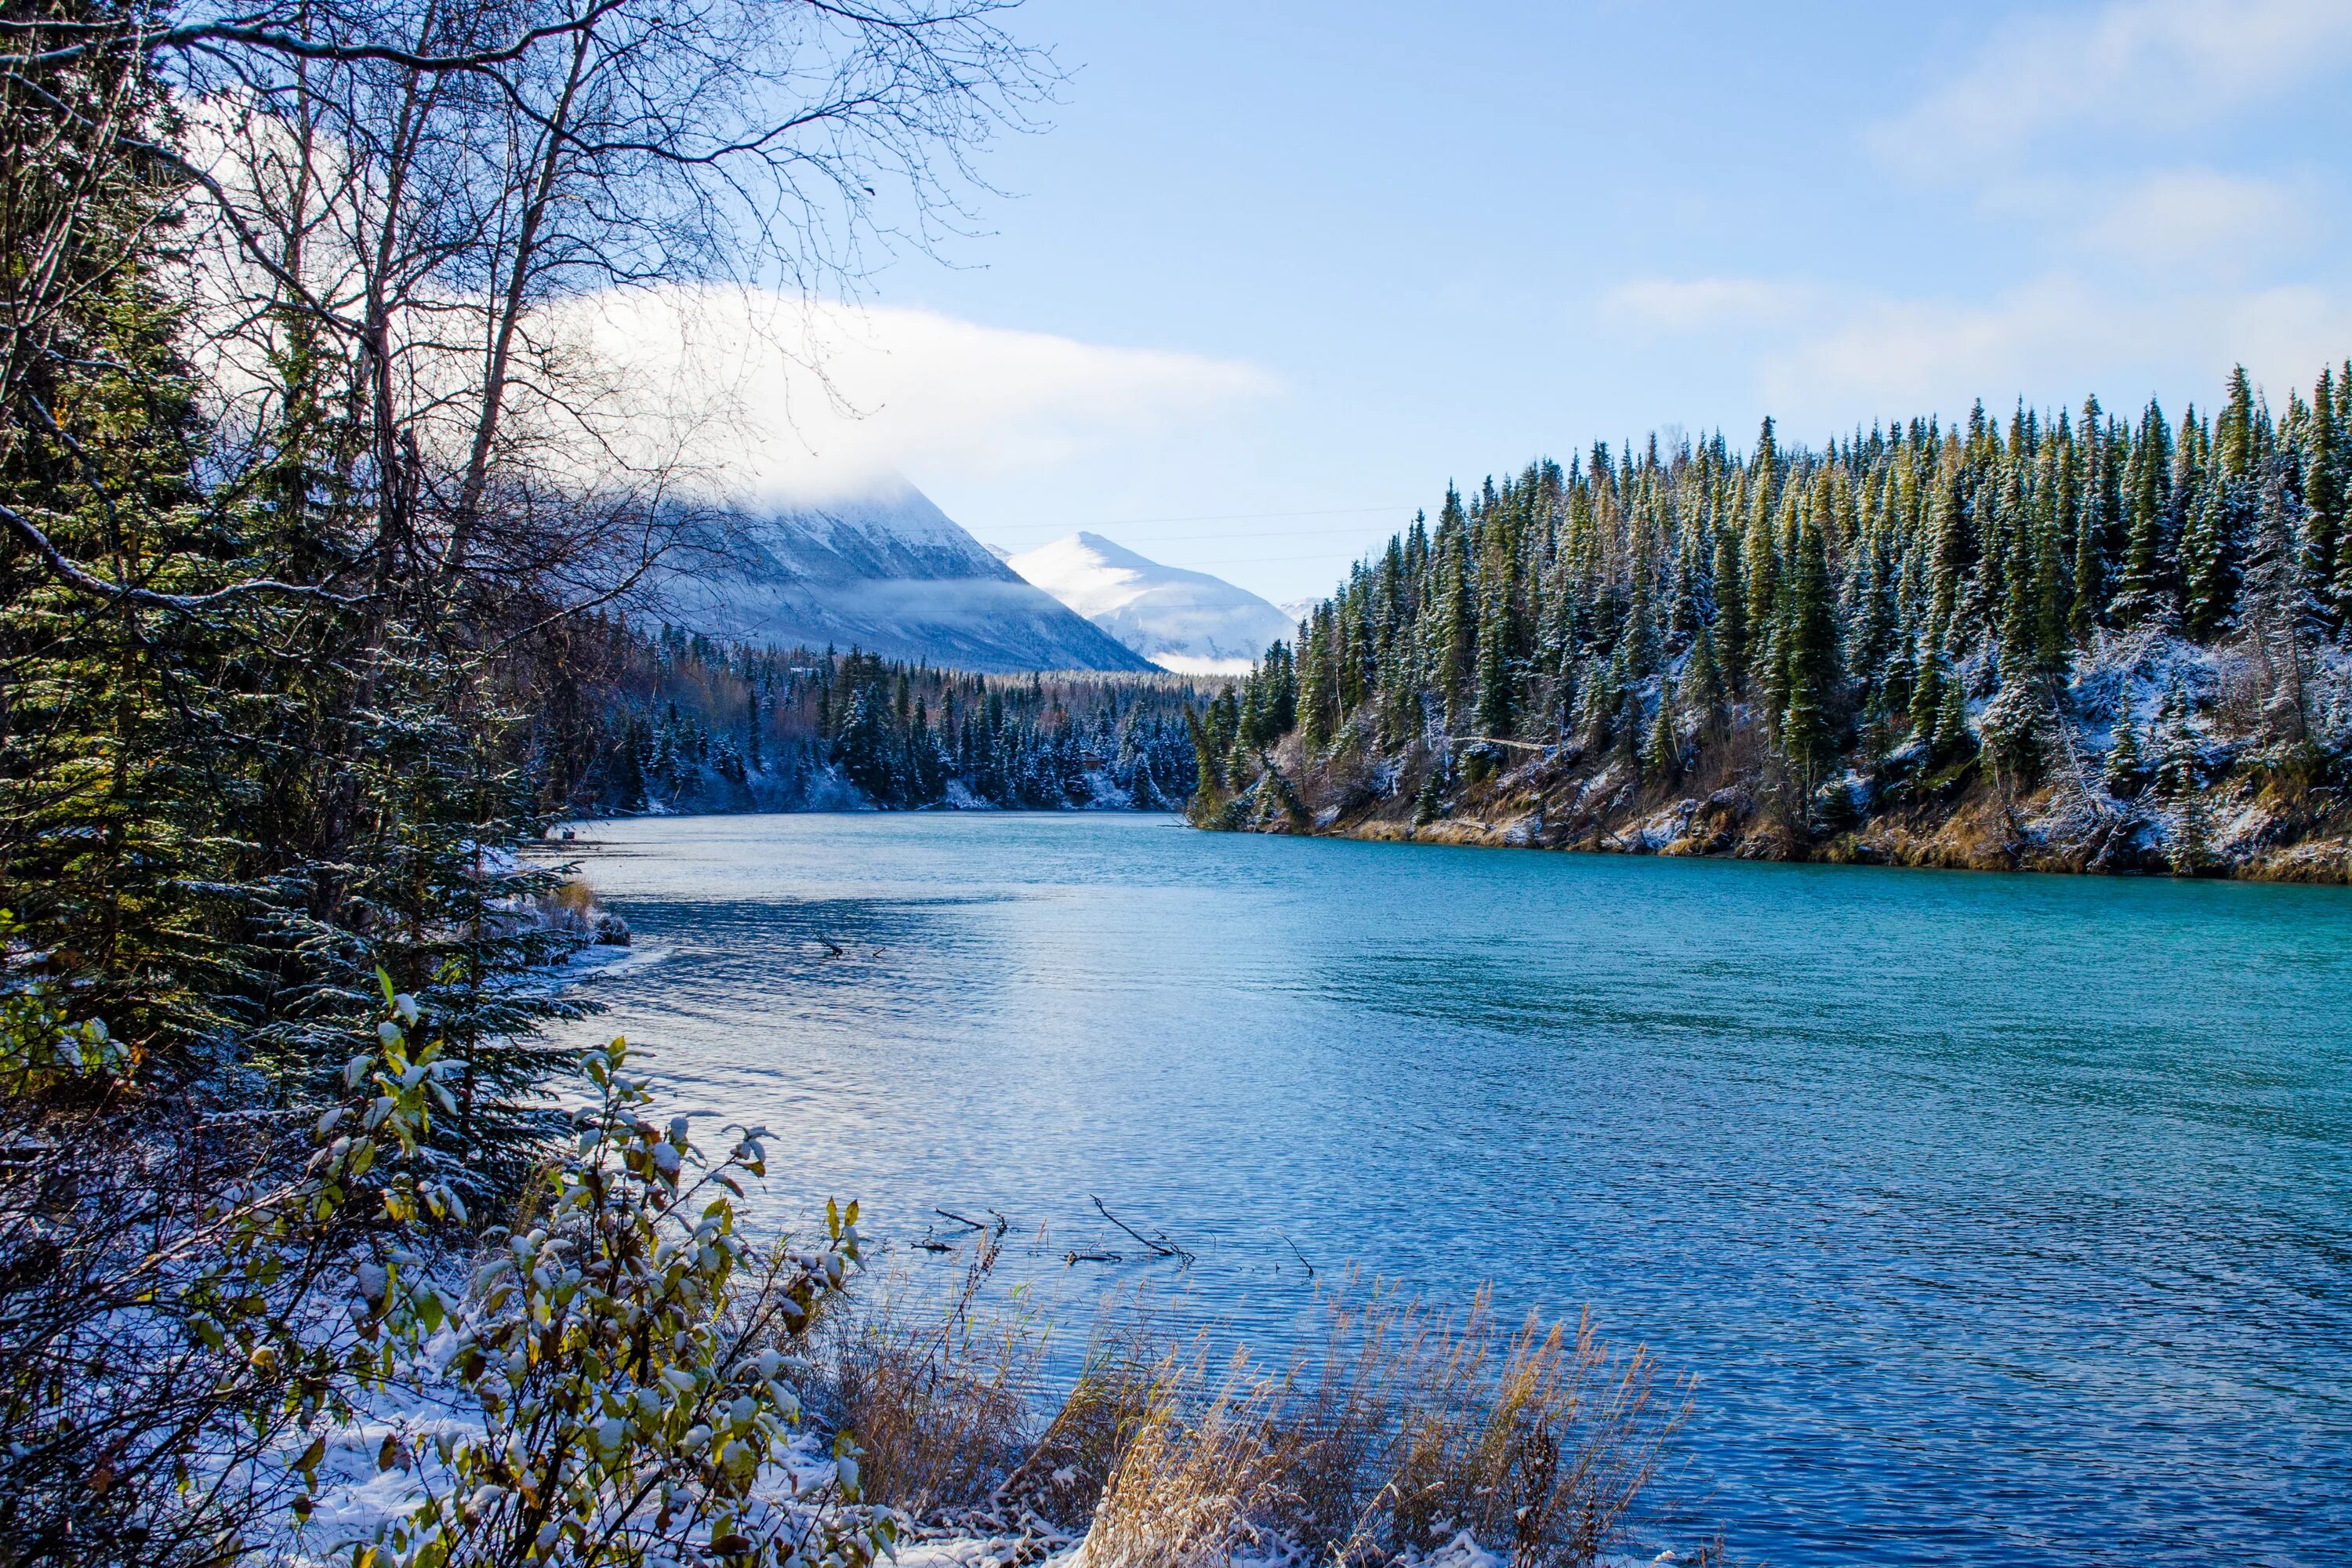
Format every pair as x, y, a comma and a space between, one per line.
601, 961
360, 1497
960, 798
1103, 793
1662, 827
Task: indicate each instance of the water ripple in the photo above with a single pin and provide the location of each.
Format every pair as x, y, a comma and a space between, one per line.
2000, 1219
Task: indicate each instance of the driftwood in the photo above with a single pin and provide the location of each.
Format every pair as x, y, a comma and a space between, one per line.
1158, 1245
999, 1227
971, 1228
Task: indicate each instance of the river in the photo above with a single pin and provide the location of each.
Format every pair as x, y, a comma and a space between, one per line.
1998, 1219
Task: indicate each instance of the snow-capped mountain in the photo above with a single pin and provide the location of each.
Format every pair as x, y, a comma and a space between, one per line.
887, 571
1185, 621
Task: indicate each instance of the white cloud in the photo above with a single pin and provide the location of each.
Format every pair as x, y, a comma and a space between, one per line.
1689, 304
1830, 358
759, 396
2054, 338
2200, 216
2125, 64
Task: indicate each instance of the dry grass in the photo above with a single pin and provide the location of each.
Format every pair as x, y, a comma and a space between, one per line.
1406, 1428
1195, 1482
1071, 1460
938, 1400
570, 908
1538, 1441
1411, 1426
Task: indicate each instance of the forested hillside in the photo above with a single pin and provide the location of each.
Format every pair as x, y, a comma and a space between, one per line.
680, 723
2062, 639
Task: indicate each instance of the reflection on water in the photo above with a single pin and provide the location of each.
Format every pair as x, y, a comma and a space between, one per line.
2002, 1220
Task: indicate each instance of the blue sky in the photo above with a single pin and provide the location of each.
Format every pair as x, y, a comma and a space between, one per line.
1308, 258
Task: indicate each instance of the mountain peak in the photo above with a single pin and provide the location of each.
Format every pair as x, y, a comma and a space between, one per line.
885, 571
1190, 622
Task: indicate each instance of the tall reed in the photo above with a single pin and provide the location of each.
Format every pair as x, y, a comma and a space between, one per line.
1405, 1428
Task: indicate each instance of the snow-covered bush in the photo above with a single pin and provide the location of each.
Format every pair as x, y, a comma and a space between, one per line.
635, 1360
192, 1321
173, 1274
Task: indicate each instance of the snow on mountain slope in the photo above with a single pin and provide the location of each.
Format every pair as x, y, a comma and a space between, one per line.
1185, 621
887, 571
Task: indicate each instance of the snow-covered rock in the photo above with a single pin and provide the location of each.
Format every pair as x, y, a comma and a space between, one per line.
1189, 622
887, 571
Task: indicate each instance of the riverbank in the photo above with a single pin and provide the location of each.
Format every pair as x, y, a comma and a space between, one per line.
2153, 756
2242, 830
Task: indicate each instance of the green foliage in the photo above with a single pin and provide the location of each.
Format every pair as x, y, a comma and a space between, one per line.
41, 1052
180, 1337
2178, 760
219, 818
634, 1356
631, 1352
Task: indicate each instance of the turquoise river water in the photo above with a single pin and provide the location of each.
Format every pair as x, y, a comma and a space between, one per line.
1995, 1219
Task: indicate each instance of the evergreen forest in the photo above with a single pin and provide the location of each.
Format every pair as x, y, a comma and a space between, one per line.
678, 722
2071, 638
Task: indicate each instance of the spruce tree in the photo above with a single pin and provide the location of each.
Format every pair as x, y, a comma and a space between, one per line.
2179, 765
1458, 636
1952, 555
1703, 687
2324, 494
1730, 609
2083, 480
2054, 597
1807, 727
1928, 695
2125, 774
1662, 752
2144, 591
1953, 736
1496, 710
2210, 551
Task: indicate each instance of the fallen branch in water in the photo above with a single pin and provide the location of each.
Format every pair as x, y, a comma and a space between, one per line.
1002, 1226
1159, 1246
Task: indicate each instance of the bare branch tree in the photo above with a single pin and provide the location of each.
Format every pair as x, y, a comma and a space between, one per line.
402, 189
